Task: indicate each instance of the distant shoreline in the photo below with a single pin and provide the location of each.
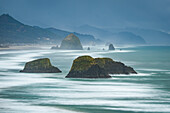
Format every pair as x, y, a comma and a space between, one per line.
26, 47
34, 47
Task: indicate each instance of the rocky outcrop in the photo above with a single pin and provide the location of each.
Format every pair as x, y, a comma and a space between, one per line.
111, 47
55, 47
113, 67
71, 42
40, 66
88, 67
84, 67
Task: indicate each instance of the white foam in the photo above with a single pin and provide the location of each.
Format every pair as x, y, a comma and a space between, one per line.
13, 62
153, 69
138, 74
112, 92
15, 106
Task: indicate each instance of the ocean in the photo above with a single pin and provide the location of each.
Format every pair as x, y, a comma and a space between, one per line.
145, 92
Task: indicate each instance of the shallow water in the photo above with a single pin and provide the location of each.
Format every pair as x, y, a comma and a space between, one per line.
148, 91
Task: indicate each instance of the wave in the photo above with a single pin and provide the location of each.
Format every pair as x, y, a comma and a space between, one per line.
138, 74
153, 69
11, 106
13, 62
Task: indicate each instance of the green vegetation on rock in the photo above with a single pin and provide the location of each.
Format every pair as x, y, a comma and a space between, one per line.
40, 66
103, 61
82, 63
88, 67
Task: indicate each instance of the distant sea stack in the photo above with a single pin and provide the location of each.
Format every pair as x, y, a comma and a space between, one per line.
55, 47
88, 48
40, 66
71, 42
88, 67
111, 47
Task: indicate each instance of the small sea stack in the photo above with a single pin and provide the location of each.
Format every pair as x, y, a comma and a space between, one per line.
55, 47
88, 48
111, 47
88, 67
40, 66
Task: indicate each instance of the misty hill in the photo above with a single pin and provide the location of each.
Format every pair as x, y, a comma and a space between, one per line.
84, 38
154, 37
97, 32
126, 38
13, 31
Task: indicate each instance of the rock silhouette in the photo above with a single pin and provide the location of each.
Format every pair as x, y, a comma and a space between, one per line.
111, 47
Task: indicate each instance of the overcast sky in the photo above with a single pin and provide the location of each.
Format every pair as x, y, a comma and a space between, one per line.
101, 13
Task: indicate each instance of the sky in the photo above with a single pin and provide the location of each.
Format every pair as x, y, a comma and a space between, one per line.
153, 14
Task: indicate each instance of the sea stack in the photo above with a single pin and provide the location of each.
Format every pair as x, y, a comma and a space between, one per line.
40, 66
85, 67
88, 67
111, 47
55, 47
71, 42
88, 48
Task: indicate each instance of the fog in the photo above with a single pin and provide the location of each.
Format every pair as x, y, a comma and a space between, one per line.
99, 13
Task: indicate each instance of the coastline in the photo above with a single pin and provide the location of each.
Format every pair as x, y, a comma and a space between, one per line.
25, 47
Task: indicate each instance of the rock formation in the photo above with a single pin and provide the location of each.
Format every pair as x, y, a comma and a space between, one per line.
84, 67
40, 66
88, 67
55, 47
113, 67
71, 42
88, 48
111, 47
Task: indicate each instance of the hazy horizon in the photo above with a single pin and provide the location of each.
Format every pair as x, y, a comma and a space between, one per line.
150, 14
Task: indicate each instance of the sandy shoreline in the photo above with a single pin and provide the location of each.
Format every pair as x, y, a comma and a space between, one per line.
27, 47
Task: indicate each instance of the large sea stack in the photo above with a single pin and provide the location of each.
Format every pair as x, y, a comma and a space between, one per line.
111, 47
88, 67
85, 67
71, 42
40, 66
